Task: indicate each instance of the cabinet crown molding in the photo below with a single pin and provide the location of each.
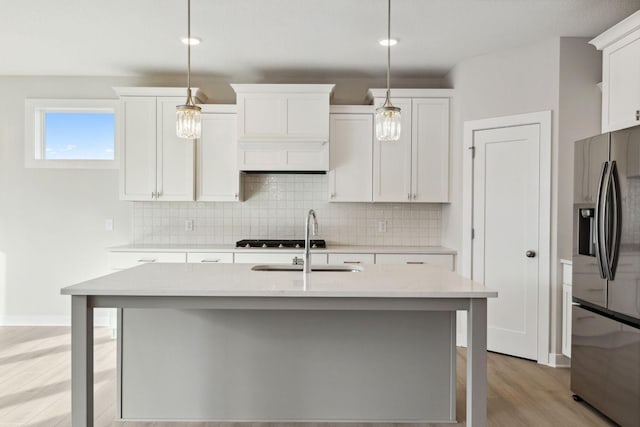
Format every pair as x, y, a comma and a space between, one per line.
283, 88
200, 97
617, 32
410, 93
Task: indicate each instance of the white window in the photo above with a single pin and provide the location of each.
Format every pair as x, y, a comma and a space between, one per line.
70, 133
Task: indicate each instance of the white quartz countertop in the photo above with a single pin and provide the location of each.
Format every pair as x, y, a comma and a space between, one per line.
375, 281
329, 249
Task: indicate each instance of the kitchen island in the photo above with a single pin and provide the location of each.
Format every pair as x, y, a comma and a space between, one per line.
244, 345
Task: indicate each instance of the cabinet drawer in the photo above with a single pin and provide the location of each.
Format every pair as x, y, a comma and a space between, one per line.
351, 258
122, 260
444, 260
210, 257
277, 258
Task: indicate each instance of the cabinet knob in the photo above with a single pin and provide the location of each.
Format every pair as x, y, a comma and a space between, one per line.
235, 195
409, 196
332, 195
530, 254
414, 196
637, 114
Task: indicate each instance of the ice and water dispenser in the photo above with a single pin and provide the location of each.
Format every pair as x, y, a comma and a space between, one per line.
587, 231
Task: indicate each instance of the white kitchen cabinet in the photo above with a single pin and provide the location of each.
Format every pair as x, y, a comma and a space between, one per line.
283, 127
156, 164
566, 307
351, 258
210, 257
351, 154
123, 260
415, 168
277, 258
620, 47
442, 260
217, 175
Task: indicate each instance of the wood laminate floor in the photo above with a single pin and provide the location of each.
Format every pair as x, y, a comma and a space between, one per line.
35, 365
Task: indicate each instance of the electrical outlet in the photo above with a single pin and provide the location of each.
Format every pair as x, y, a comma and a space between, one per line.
382, 226
108, 224
188, 225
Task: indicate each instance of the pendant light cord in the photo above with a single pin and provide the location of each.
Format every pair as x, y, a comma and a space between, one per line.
189, 99
388, 50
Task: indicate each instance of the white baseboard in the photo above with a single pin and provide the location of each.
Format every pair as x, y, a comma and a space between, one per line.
100, 318
557, 360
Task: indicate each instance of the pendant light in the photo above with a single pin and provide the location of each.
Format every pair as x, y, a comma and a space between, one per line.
388, 117
188, 115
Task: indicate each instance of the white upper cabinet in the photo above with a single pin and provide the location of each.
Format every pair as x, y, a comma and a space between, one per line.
416, 167
137, 133
156, 164
392, 160
430, 149
175, 156
283, 127
351, 158
620, 47
218, 178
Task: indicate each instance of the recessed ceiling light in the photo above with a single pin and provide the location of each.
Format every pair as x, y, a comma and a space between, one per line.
388, 42
192, 41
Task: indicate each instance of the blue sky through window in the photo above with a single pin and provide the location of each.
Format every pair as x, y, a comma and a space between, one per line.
79, 136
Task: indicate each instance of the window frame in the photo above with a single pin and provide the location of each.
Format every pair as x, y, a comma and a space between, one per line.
35, 111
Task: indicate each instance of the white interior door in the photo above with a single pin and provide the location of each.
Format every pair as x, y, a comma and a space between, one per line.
506, 223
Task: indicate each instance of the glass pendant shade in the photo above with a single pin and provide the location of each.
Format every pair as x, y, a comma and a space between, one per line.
388, 126
188, 124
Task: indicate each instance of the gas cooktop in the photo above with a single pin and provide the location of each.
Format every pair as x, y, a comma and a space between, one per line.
279, 244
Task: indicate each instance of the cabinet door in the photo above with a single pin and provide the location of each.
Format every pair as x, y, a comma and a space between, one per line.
351, 258
218, 176
123, 260
175, 158
138, 136
351, 162
430, 150
307, 116
210, 257
392, 160
262, 115
442, 260
621, 84
566, 320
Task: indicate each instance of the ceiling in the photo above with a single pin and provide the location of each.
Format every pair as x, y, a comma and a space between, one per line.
256, 38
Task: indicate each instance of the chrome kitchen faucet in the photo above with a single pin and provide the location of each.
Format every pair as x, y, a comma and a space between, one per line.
307, 242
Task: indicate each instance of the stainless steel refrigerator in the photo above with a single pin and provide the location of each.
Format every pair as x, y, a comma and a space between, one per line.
605, 342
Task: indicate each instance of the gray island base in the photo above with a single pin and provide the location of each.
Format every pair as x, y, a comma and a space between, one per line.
223, 343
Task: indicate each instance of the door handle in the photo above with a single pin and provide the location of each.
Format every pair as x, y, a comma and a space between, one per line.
599, 223
616, 213
530, 253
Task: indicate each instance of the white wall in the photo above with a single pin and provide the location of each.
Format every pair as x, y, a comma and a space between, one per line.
52, 221
557, 75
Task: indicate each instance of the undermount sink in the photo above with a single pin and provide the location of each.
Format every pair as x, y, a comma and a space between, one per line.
346, 268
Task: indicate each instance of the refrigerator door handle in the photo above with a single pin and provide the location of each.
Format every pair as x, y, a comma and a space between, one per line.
616, 211
599, 223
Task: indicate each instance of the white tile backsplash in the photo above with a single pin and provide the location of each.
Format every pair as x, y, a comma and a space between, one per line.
275, 207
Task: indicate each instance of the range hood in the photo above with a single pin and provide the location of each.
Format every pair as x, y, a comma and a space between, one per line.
283, 127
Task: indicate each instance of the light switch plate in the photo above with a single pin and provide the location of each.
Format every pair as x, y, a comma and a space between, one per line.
108, 224
188, 225
382, 226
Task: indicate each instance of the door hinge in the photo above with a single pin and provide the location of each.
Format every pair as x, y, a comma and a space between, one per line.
473, 233
473, 152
